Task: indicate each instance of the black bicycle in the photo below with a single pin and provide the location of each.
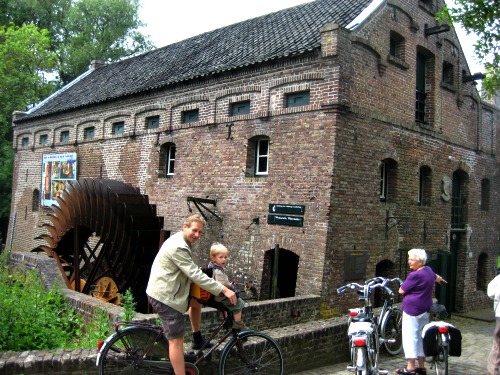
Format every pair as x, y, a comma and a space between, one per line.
142, 348
441, 339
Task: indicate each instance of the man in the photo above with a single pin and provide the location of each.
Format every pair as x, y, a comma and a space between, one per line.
494, 356
169, 285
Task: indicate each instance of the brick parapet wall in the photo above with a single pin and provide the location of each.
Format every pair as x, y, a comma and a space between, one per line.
293, 322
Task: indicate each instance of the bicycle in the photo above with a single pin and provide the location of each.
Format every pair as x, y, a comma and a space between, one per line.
367, 331
140, 348
437, 336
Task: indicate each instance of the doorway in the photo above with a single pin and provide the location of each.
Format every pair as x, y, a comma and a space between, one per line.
279, 275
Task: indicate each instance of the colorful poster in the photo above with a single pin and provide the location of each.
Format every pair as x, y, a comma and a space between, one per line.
57, 170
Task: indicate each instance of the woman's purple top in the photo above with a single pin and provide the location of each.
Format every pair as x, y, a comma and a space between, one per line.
418, 288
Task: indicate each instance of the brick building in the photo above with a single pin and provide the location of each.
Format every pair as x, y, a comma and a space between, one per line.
322, 142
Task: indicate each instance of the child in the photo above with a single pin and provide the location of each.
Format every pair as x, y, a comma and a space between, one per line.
218, 260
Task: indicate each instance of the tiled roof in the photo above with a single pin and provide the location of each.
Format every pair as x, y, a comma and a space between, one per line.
284, 33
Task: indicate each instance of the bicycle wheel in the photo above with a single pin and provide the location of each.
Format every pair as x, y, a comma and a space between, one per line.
251, 353
391, 328
360, 361
125, 352
440, 361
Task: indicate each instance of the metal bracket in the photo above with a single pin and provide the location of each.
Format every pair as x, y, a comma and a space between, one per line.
200, 203
436, 29
389, 227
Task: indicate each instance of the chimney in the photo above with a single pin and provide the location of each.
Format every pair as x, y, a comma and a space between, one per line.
95, 64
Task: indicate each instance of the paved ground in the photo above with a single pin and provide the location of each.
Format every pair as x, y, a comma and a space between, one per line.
477, 335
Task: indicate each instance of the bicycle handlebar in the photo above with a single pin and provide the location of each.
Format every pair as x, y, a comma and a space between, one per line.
370, 284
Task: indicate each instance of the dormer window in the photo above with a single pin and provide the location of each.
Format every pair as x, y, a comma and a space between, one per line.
240, 108
88, 133
297, 99
118, 128
190, 116
153, 122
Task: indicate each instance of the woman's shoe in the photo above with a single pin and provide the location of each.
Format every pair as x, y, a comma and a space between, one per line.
405, 371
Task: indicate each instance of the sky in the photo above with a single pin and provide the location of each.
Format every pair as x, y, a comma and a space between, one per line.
169, 21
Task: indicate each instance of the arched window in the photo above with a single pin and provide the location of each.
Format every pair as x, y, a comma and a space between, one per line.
167, 160
258, 154
424, 187
388, 178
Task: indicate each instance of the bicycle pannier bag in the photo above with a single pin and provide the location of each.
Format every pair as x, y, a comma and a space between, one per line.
430, 342
455, 349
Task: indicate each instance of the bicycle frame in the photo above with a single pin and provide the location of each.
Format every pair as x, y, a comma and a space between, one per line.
365, 327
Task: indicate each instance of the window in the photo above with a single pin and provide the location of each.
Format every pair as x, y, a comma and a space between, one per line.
118, 128
448, 76
43, 139
397, 46
25, 142
88, 133
388, 177
64, 136
35, 203
153, 122
240, 108
424, 188
167, 160
485, 194
190, 116
420, 89
169, 171
262, 157
296, 99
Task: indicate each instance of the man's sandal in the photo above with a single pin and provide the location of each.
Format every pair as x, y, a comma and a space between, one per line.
421, 371
405, 371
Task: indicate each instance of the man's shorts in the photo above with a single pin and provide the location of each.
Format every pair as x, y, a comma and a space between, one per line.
171, 319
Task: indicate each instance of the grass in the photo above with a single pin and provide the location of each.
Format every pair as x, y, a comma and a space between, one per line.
34, 318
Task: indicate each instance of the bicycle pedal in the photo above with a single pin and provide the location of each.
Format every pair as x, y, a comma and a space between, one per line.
351, 368
383, 372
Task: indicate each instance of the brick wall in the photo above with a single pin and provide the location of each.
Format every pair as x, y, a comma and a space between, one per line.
325, 156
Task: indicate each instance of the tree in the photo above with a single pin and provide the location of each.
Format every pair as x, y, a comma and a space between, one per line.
24, 57
60, 37
482, 18
82, 30
100, 30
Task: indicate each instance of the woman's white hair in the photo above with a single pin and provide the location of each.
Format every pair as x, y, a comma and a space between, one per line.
420, 254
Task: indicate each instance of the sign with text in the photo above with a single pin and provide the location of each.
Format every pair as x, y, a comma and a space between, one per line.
57, 170
293, 209
294, 221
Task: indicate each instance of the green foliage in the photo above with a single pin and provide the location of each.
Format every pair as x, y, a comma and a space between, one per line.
32, 317
128, 304
480, 17
58, 39
98, 329
24, 57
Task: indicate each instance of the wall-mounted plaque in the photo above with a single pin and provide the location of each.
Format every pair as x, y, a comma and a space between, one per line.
355, 264
294, 221
292, 209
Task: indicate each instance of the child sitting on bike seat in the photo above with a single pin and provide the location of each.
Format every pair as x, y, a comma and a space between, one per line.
218, 260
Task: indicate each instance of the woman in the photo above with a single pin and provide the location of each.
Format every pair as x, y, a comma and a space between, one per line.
417, 290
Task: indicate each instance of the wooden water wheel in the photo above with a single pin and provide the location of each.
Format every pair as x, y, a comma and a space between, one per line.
104, 236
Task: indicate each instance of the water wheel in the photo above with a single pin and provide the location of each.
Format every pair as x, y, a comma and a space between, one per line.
104, 236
